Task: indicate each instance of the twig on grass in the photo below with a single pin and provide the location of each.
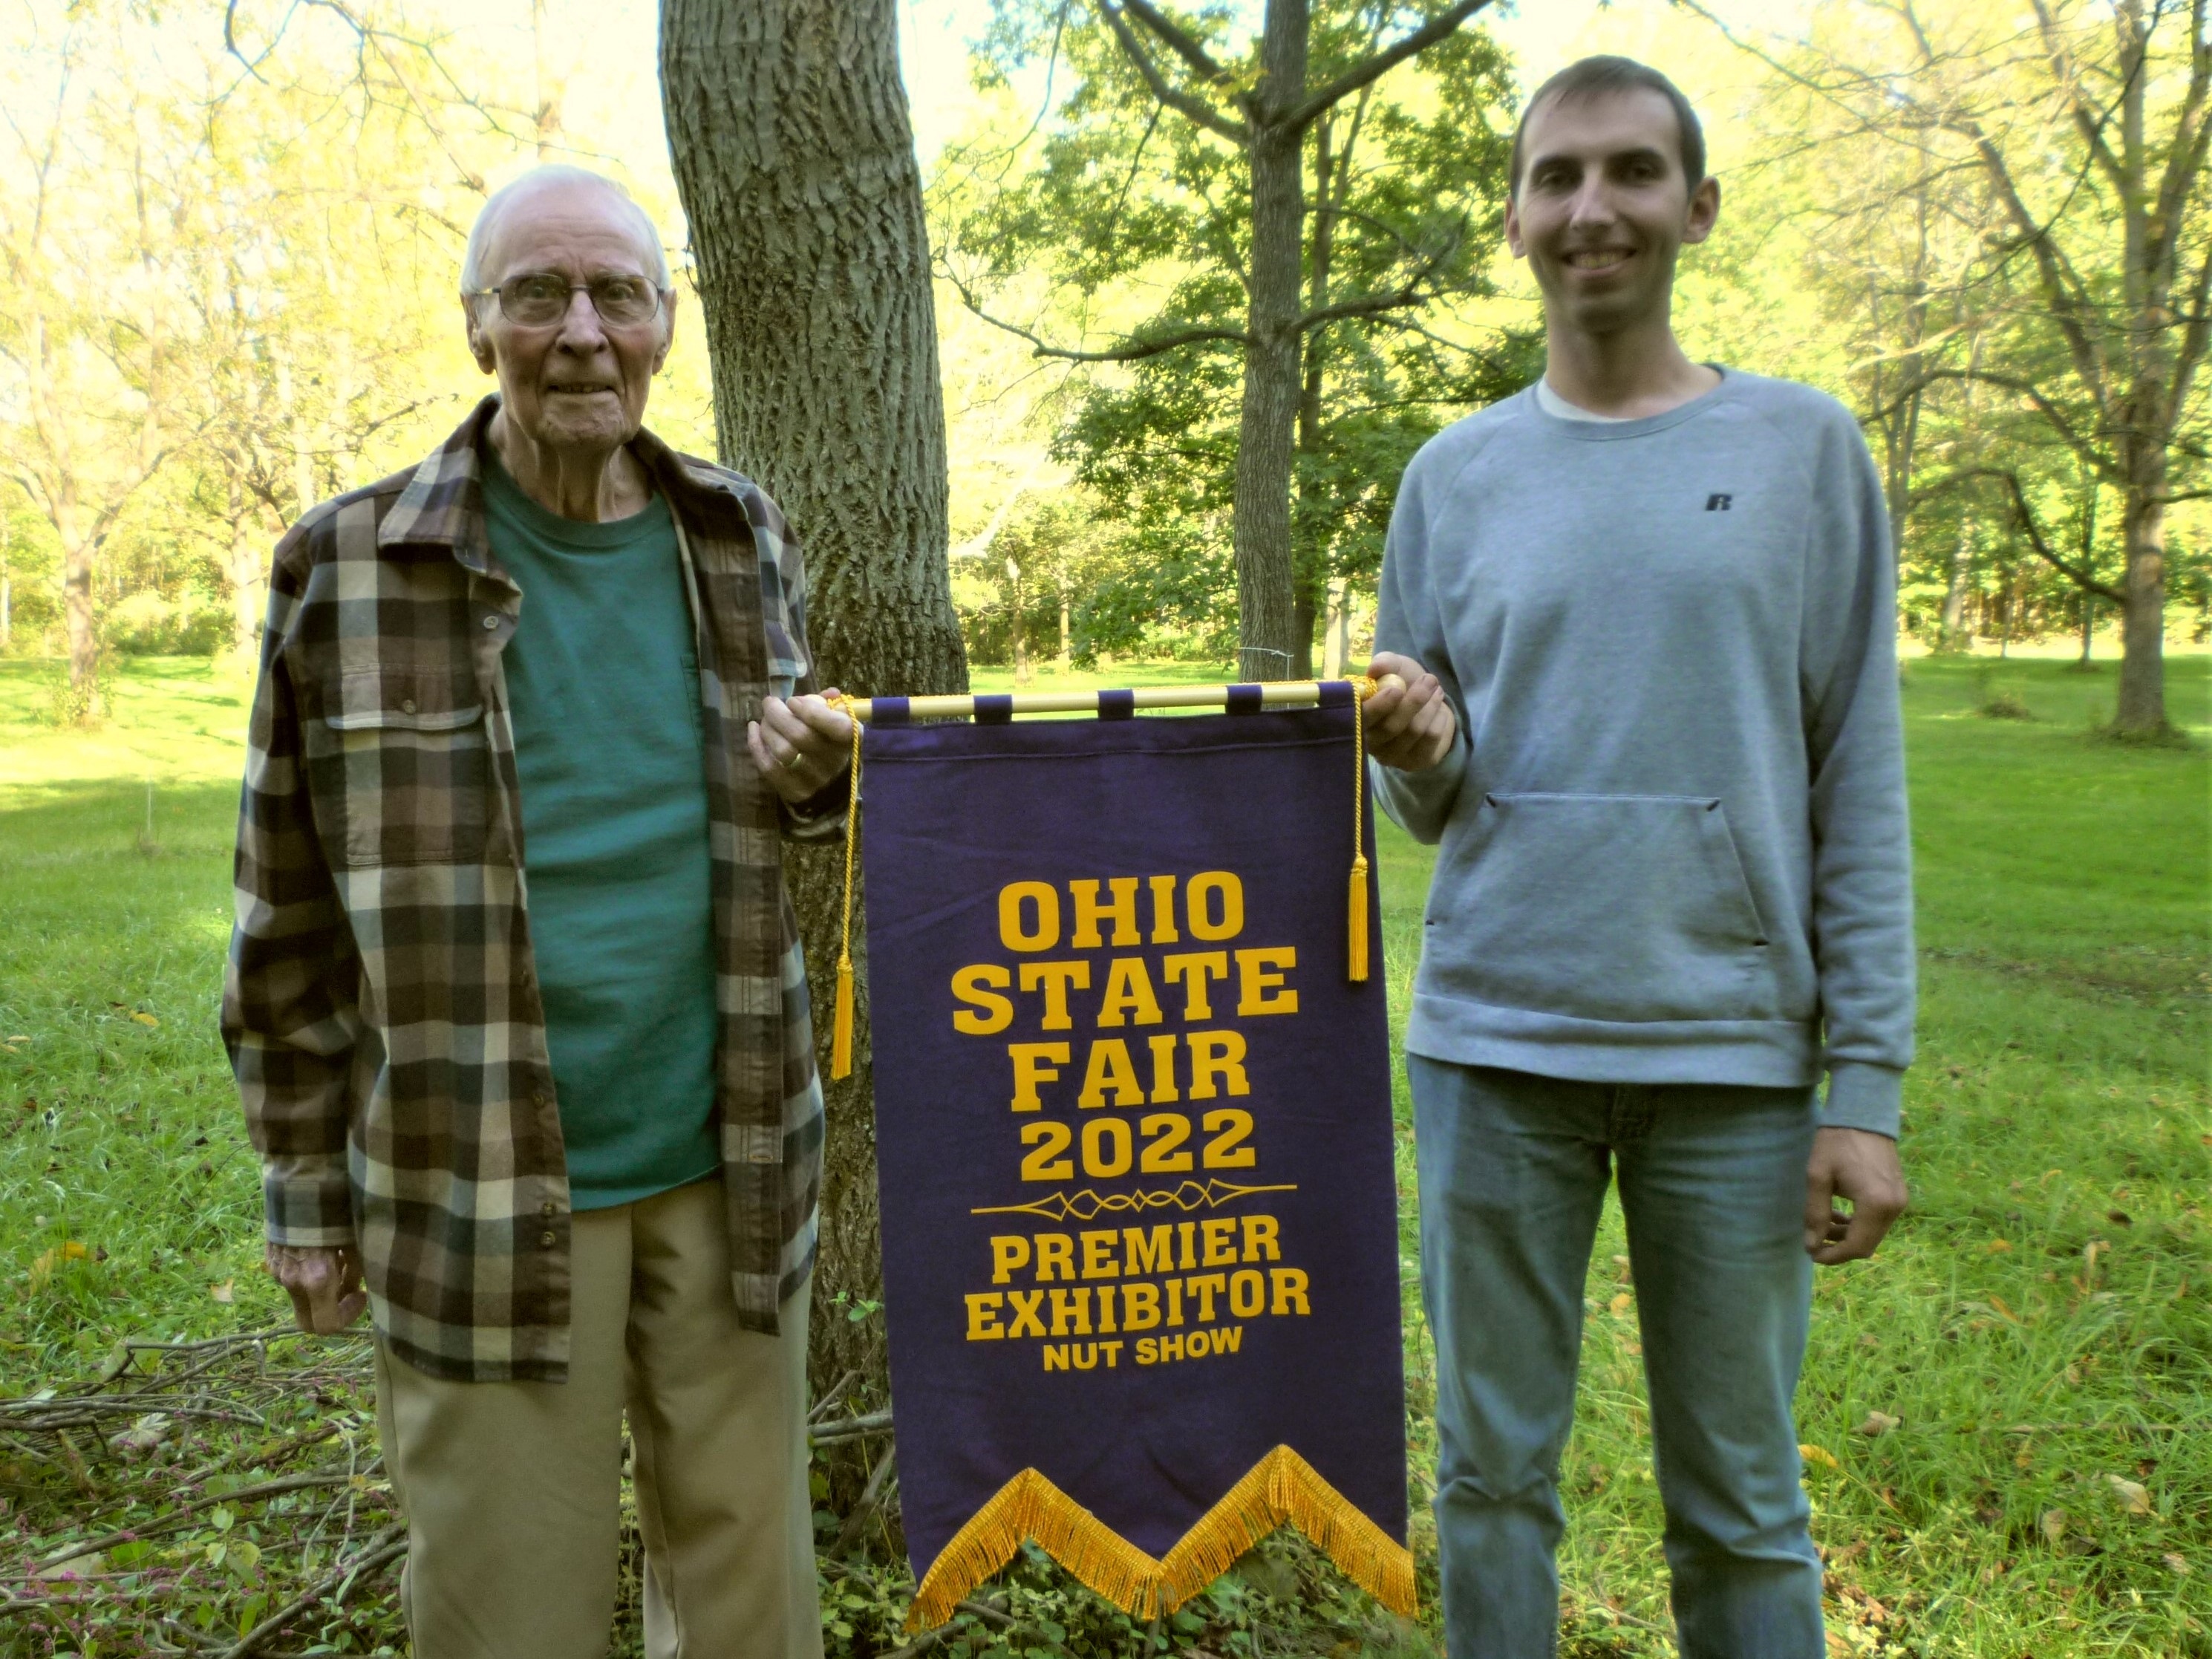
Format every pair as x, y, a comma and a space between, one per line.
822, 1406
848, 1535
850, 1428
381, 1551
177, 1517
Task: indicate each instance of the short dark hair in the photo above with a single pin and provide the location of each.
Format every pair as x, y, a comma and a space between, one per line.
1592, 76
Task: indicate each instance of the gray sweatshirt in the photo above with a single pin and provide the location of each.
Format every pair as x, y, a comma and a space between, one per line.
1673, 835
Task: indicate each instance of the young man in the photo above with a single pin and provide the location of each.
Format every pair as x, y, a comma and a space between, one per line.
1644, 613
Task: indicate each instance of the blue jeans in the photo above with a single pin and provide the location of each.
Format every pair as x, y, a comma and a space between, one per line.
1513, 1173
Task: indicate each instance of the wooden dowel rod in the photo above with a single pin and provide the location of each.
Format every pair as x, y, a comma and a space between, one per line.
1277, 694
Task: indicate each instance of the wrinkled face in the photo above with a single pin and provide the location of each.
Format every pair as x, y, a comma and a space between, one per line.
1603, 207
579, 384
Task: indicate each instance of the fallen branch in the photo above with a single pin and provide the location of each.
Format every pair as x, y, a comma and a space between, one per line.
385, 1548
851, 1428
177, 1517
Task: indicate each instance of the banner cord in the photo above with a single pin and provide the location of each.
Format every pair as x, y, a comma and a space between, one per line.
840, 1040
1356, 907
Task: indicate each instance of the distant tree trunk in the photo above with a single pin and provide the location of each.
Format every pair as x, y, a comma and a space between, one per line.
1955, 593
2142, 618
1266, 600
1064, 660
788, 124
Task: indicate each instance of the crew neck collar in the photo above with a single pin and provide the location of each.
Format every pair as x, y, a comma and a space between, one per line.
1602, 429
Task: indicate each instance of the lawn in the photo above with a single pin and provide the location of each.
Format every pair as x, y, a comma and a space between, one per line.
2007, 1412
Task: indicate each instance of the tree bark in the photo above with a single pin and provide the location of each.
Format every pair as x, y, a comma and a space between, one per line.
788, 124
1267, 627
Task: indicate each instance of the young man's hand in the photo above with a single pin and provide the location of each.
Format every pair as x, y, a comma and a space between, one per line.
323, 1283
1862, 1167
1411, 726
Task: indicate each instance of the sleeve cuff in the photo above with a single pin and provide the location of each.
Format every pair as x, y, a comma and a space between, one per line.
1864, 1097
306, 1204
821, 815
1420, 803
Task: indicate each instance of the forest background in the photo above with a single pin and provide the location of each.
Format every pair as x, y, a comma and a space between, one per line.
228, 270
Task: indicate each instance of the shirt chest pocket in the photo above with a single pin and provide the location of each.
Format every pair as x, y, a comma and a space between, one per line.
400, 769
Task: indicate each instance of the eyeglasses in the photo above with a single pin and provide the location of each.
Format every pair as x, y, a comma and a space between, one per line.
541, 298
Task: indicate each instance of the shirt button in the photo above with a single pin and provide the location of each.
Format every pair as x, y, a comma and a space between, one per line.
548, 1239
763, 1156
407, 705
546, 1209
491, 621
537, 1097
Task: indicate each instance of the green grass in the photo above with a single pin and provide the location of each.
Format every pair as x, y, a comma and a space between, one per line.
2039, 1324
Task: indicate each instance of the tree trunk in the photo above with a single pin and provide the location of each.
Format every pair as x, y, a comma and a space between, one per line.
1267, 627
1064, 661
788, 126
2141, 711
2088, 629
77, 554
1954, 595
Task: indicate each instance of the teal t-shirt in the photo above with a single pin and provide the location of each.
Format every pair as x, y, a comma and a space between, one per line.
603, 684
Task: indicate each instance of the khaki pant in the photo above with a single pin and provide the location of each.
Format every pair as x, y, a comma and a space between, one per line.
512, 1490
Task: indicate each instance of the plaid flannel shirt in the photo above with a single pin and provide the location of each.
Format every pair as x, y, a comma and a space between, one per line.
380, 1006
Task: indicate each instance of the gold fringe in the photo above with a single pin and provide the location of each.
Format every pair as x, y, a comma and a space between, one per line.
1030, 1506
1282, 1486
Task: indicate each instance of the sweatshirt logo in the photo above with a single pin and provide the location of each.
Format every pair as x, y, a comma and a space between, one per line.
1718, 503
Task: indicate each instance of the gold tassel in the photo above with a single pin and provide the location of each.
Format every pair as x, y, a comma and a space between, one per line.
841, 1037
1282, 1486
1356, 912
840, 1032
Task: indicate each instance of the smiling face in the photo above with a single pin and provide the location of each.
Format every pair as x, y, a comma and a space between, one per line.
1603, 207
577, 386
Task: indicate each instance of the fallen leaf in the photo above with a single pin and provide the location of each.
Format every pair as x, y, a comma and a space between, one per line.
82, 1566
20, 1037
147, 1020
1621, 1304
2053, 1525
2135, 1499
1878, 1424
1820, 1455
223, 1292
2119, 1217
1837, 1647
1998, 1302
1999, 1247
2176, 1563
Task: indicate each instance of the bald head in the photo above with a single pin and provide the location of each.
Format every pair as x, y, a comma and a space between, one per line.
554, 185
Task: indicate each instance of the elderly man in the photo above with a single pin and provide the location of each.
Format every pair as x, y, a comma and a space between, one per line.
515, 998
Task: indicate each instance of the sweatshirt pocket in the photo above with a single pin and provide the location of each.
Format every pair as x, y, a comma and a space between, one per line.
1601, 907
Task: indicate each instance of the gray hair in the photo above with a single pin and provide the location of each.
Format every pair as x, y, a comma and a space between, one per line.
557, 173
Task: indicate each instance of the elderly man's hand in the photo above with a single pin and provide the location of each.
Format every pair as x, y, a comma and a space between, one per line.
325, 1285
801, 745
1411, 726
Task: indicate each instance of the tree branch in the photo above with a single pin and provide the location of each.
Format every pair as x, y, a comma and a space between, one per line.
1180, 42
1129, 351
1445, 23
2024, 515
1194, 109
